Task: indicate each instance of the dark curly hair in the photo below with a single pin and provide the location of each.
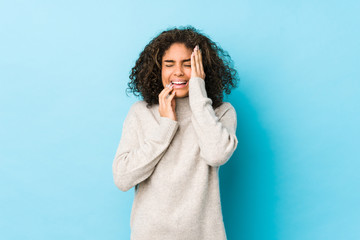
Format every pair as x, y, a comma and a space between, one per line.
146, 74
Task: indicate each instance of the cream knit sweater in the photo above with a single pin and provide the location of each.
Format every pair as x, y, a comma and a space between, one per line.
174, 166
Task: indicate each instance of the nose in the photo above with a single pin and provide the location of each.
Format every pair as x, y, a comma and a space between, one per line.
178, 71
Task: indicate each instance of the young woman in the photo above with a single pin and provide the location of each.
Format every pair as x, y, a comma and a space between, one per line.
175, 139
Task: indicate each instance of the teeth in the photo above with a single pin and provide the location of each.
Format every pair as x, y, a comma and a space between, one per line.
178, 82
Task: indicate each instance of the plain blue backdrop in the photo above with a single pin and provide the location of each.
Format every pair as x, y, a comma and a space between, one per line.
64, 68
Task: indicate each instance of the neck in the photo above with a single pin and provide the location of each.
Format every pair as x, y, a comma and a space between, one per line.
182, 107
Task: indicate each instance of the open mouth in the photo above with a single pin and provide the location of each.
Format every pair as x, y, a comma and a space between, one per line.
178, 84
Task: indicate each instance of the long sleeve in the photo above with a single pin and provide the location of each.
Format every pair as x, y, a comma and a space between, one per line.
136, 158
216, 135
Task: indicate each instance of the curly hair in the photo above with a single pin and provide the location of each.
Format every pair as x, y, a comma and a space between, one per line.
146, 74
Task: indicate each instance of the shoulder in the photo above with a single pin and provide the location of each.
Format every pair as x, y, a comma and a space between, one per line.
138, 106
139, 109
223, 108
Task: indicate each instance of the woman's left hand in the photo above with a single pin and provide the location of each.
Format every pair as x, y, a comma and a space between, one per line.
197, 69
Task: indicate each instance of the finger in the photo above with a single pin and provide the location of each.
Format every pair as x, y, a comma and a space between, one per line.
161, 102
162, 92
161, 96
197, 62
201, 63
193, 65
170, 98
166, 92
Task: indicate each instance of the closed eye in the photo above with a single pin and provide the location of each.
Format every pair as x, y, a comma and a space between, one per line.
172, 65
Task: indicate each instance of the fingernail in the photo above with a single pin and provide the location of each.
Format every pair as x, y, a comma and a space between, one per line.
196, 47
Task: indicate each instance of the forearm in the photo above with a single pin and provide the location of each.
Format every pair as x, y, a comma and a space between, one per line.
217, 137
134, 162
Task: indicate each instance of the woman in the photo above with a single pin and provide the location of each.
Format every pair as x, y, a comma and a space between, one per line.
176, 138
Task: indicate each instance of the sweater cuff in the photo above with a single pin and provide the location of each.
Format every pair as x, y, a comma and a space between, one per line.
197, 87
198, 95
166, 130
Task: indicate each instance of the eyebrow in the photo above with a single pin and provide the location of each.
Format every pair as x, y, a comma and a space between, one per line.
172, 61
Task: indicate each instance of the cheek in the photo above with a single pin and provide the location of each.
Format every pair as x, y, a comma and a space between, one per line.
165, 73
165, 76
188, 72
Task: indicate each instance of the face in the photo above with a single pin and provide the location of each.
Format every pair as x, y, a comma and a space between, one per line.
176, 68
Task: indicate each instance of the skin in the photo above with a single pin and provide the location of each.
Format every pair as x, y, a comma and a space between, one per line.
178, 62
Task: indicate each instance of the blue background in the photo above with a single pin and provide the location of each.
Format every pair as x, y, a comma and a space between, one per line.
64, 68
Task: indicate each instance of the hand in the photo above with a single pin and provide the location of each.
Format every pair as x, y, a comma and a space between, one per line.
197, 69
167, 103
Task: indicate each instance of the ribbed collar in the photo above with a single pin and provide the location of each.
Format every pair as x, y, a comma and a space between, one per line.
182, 108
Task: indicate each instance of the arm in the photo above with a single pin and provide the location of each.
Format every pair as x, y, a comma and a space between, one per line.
135, 159
217, 137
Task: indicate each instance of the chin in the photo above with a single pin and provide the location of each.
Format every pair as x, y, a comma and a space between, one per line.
181, 95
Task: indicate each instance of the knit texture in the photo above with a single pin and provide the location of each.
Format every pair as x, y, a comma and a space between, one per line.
174, 167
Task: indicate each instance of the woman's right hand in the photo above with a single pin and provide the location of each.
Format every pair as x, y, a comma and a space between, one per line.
167, 103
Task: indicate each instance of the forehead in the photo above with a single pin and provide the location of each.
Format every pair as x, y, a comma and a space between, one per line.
177, 51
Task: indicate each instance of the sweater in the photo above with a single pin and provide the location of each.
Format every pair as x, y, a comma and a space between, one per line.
174, 166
